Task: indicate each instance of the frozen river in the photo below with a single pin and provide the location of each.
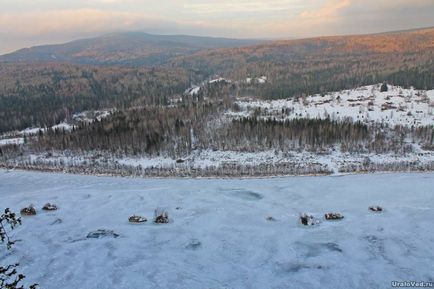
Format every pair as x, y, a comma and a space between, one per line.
219, 235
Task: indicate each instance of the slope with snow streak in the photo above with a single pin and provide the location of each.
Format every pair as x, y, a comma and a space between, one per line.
219, 236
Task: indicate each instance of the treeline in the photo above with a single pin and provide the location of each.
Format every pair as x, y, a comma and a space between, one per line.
288, 78
254, 133
175, 131
178, 170
419, 77
225, 170
151, 130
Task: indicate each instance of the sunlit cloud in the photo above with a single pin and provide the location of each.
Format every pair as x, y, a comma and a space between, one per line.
327, 12
30, 22
72, 21
241, 6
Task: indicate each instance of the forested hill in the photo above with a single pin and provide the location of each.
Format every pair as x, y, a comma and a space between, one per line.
45, 93
323, 64
127, 48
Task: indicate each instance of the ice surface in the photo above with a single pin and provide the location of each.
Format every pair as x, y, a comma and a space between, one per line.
218, 236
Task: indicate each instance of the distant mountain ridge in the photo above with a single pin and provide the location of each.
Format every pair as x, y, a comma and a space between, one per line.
140, 48
44, 93
323, 64
126, 48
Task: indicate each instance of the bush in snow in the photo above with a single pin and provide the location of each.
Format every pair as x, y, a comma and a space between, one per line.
161, 216
9, 276
384, 87
8, 219
376, 208
49, 207
28, 211
308, 220
137, 219
271, 219
333, 216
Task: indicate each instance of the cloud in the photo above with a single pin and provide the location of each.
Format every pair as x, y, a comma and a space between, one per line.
30, 22
311, 22
329, 11
355, 17
67, 21
225, 6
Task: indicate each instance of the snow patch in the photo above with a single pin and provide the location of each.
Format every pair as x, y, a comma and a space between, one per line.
11, 141
397, 106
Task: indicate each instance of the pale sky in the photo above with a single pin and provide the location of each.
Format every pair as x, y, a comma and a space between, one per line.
24, 23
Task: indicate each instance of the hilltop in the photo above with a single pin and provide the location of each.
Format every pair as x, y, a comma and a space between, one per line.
126, 48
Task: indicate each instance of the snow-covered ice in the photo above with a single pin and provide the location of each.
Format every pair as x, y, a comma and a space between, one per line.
219, 235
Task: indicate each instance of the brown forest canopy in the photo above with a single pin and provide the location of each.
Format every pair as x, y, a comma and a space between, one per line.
45, 94
42, 94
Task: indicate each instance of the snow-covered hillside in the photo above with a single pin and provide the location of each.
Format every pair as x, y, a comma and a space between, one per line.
397, 106
219, 235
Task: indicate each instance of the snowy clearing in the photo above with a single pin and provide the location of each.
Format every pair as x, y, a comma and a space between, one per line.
92, 115
11, 137
397, 106
219, 235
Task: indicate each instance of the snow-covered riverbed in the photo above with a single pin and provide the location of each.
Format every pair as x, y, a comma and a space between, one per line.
219, 236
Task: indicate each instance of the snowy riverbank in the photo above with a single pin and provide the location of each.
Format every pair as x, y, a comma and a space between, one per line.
208, 163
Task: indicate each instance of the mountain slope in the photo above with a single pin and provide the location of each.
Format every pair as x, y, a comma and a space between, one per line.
323, 64
128, 48
315, 48
43, 94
